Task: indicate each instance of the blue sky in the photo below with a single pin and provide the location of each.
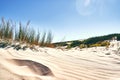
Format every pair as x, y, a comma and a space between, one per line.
67, 19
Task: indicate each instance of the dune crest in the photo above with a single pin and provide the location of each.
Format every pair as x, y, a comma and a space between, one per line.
97, 63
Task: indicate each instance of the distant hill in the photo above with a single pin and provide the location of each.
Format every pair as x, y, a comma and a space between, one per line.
90, 41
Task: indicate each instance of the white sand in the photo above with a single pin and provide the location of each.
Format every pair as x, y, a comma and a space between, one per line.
73, 64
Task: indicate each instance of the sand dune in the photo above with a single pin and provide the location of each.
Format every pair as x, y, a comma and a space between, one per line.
57, 64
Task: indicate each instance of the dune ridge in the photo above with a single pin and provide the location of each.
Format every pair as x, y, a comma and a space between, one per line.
58, 64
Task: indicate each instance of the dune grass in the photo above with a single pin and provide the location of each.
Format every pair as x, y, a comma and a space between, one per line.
6, 30
23, 34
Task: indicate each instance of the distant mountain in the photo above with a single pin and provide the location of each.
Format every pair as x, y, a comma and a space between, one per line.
89, 41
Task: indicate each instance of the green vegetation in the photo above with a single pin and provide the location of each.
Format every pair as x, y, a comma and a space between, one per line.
75, 43
23, 34
83, 46
10, 33
103, 43
90, 42
94, 40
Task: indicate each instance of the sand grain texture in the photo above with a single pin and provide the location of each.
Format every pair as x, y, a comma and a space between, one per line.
57, 64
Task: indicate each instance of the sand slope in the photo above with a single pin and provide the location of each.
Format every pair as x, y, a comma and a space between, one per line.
56, 64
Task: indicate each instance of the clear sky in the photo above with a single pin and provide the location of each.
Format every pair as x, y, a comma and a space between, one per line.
67, 19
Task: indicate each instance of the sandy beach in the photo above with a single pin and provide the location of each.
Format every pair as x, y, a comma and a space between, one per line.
59, 39
57, 64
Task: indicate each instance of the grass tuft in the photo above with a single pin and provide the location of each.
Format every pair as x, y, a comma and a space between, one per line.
23, 34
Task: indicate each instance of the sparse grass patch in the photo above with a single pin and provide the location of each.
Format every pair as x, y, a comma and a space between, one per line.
6, 30
23, 35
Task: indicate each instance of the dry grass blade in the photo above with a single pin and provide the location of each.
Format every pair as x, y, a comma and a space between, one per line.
23, 34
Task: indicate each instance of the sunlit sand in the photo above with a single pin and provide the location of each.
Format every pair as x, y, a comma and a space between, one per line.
60, 64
